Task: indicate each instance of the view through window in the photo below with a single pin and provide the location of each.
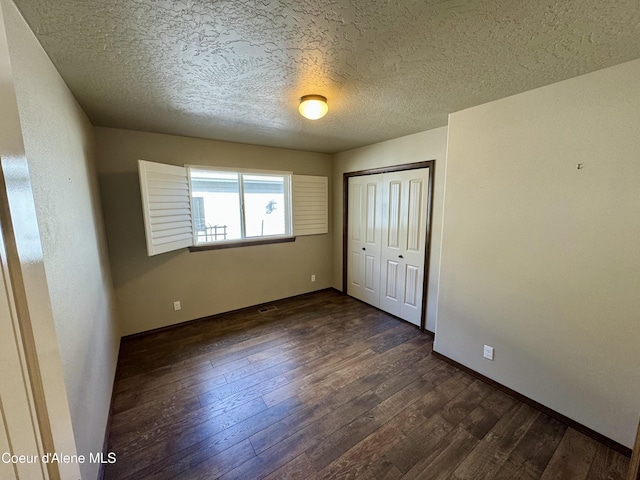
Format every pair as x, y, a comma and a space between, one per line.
239, 205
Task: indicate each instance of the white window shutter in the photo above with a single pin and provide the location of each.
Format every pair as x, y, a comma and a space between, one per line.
166, 206
310, 205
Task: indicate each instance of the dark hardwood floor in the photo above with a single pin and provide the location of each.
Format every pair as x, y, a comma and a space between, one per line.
325, 387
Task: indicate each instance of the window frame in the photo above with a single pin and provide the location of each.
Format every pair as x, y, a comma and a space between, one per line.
288, 236
167, 209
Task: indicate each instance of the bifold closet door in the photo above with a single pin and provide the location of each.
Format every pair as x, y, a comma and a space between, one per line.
363, 241
386, 241
404, 229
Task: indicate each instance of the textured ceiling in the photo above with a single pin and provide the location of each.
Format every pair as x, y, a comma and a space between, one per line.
234, 70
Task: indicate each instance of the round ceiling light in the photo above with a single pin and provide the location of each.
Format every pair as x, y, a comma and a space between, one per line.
313, 107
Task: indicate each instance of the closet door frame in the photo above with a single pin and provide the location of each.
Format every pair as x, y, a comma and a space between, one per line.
430, 164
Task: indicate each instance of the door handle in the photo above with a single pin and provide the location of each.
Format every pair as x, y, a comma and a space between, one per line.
400, 256
363, 248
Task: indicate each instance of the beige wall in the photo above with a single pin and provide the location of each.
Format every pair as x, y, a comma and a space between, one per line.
541, 260
35, 406
208, 282
59, 146
429, 145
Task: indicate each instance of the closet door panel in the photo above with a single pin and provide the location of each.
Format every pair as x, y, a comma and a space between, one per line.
414, 222
391, 284
393, 217
411, 286
415, 216
364, 239
392, 191
355, 271
370, 270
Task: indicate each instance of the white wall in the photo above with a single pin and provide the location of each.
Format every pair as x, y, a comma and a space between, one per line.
542, 260
429, 145
59, 146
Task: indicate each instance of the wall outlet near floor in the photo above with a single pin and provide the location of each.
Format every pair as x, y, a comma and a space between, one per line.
313, 278
488, 352
177, 306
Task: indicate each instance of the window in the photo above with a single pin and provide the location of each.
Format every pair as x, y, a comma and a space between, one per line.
207, 207
238, 205
197, 207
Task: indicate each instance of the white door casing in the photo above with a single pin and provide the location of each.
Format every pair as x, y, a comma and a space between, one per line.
19, 433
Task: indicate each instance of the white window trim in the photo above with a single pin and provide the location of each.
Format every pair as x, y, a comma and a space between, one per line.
240, 170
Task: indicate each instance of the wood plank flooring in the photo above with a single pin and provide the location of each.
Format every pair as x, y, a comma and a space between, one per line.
325, 387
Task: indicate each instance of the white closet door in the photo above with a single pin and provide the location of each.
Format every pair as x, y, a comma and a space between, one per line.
393, 194
364, 238
414, 229
386, 243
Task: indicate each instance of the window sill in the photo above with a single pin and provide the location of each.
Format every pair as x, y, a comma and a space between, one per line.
243, 243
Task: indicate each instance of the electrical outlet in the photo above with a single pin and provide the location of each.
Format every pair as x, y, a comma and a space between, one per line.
177, 306
488, 352
313, 278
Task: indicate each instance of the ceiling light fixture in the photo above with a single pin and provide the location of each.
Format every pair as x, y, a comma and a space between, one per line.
313, 107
